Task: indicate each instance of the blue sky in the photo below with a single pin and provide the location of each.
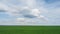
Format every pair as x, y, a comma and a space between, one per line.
29, 12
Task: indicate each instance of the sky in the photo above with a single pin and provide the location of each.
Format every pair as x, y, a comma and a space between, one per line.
29, 12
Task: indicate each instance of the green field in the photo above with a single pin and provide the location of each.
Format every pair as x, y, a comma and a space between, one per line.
29, 29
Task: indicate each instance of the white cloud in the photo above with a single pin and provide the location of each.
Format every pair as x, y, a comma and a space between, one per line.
27, 7
20, 19
35, 12
31, 21
3, 6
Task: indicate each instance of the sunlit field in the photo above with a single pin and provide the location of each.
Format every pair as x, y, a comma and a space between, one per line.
29, 29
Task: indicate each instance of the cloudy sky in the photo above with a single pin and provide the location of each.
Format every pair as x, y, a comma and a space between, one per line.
29, 12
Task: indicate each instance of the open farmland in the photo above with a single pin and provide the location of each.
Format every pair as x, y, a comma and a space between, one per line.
29, 29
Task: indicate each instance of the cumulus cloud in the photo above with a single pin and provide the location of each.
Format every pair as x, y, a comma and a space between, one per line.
35, 12
26, 21
27, 9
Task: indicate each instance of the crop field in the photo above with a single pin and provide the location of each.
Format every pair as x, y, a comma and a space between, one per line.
29, 29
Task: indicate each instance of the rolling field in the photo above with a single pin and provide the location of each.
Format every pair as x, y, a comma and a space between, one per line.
29, 29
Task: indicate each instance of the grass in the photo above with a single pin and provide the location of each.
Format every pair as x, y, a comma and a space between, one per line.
29, 29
